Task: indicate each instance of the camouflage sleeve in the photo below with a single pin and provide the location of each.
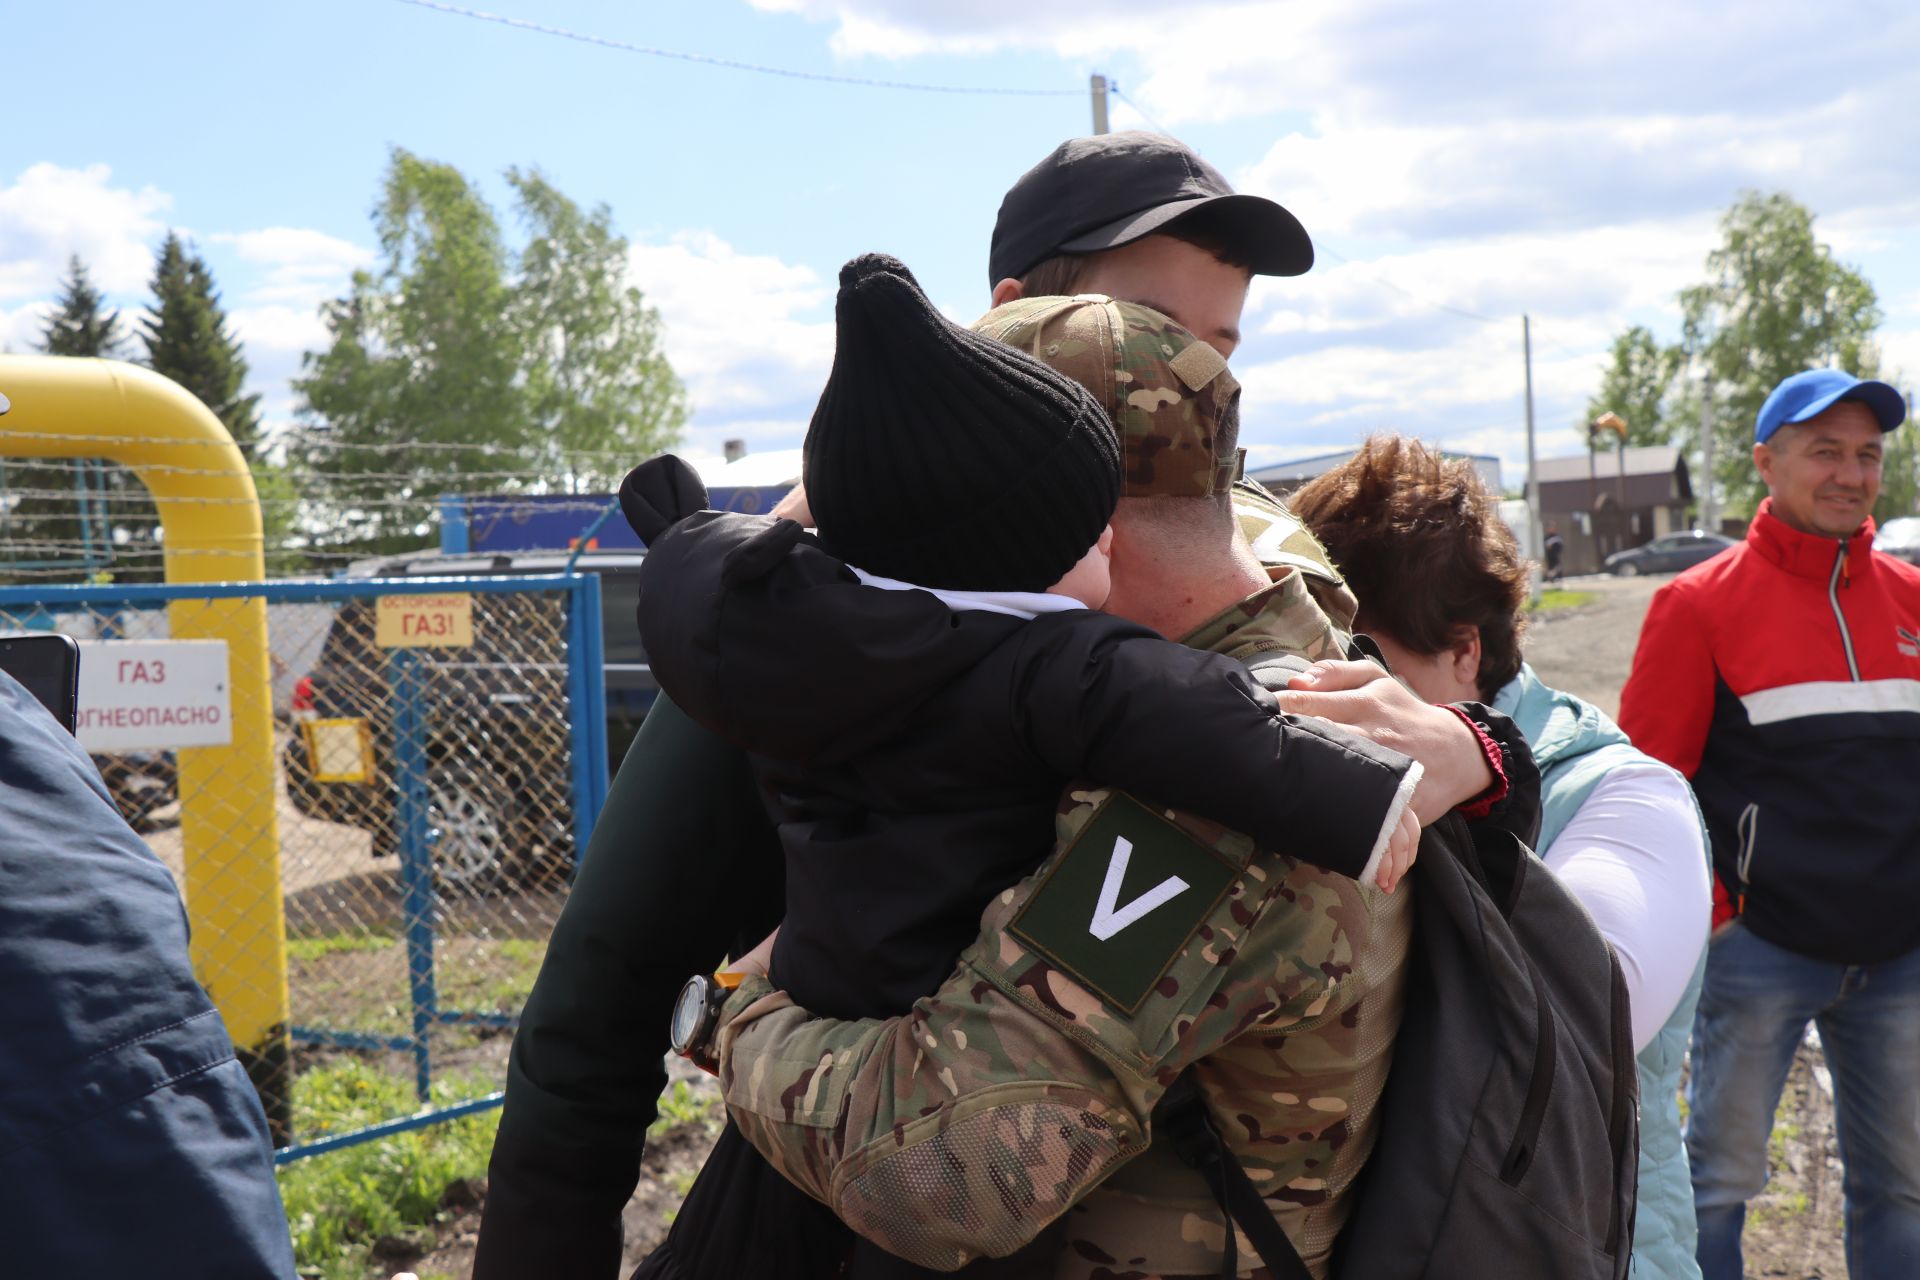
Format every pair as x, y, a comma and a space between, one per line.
964, 1127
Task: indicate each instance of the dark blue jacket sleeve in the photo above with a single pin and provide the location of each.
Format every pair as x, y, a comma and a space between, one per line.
131, 1142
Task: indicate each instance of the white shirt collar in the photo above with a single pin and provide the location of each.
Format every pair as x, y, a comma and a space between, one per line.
1018, 604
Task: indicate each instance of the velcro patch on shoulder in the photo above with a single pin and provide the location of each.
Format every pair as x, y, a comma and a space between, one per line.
1198, 365
1123, 901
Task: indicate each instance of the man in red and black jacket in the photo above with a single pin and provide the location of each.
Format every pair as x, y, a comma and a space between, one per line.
1783, 678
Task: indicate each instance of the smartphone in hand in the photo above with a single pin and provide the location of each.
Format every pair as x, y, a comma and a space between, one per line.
48, 666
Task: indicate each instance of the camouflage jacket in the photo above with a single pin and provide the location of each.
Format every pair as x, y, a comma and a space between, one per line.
1017, 1092
1282, 542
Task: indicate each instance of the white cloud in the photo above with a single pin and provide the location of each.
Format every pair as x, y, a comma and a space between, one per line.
50, 213
910, 28
1568, 162
1900, 357
747, 332
1418, 182
277, 328
301, 268
1414, 60
297, 247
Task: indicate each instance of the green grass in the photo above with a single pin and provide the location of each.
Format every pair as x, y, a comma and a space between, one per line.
338, 1204
310, 949
682, 1105
1791, 1206
490, 975
1559, 598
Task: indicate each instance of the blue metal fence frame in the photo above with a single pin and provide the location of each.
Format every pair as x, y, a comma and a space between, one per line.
587, 717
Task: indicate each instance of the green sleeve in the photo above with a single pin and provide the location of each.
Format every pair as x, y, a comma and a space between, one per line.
683, 868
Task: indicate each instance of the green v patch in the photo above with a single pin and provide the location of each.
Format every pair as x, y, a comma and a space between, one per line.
1123, 901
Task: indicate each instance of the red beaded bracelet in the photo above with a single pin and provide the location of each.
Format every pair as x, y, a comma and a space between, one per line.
1481, 805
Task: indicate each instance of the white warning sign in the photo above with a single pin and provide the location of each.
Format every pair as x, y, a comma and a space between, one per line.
153, 695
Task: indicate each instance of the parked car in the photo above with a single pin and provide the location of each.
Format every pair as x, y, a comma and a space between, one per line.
1899, 538
493, 724
1669, 553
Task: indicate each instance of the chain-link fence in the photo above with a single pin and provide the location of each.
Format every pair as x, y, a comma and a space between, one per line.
372, 816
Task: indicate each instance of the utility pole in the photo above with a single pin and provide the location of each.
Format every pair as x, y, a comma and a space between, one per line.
1709, 514
1912, 478
1099, 104
1538, 547
1593, 500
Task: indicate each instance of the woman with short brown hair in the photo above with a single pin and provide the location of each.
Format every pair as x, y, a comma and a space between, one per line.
1443, 591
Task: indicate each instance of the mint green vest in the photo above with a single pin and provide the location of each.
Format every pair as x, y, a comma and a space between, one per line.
1576, 745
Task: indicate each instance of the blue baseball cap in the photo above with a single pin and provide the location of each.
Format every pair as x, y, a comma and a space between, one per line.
1806, 394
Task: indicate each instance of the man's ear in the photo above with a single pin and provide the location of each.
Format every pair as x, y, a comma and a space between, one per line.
1763, 463
1465, 654
1008, 290
1104, 543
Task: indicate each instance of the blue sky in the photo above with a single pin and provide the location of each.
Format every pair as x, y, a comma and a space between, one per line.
1492, 158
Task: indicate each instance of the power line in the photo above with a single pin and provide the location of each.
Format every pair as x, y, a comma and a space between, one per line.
733, 64
1114, 89
1557, 347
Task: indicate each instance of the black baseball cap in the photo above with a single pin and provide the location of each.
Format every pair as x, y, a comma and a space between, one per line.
1113, 188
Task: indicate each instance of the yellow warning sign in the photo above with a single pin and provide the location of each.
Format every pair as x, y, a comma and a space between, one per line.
339, 750
425, 622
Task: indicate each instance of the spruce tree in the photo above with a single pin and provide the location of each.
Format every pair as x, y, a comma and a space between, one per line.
187, 339
82, 326
59, 523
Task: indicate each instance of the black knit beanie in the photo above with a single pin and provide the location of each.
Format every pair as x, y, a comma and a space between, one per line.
946, 458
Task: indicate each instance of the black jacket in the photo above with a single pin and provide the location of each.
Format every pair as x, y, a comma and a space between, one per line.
683, 868
914, 755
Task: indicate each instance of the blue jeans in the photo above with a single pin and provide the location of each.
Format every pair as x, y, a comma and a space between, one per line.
1754, 1011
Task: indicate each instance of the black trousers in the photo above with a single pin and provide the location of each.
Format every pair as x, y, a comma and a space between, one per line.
742, 1219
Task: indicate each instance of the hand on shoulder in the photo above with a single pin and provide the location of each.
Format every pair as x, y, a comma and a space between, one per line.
1364, 698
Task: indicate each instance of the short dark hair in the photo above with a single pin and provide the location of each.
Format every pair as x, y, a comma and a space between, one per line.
1061, 274
1421, 542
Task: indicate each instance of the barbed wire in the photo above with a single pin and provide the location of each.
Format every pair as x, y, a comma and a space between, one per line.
484, 448
93, 466
142, 500
156, 551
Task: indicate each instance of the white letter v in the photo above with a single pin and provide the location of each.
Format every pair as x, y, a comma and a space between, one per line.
1106, 920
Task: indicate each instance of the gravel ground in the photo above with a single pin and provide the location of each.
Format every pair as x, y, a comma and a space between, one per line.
1793, 1229
1587, 649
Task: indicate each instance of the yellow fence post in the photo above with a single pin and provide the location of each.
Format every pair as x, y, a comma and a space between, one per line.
64, 407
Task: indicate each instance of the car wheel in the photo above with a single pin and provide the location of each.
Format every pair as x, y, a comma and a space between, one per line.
1626, 569
468, 830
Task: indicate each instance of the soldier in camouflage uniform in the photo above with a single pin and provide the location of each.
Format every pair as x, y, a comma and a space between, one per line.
1023, 1089
684, 867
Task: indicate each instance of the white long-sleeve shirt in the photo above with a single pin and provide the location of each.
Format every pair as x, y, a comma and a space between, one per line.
1633, 855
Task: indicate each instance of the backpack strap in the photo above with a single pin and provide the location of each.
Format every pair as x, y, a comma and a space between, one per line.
1182, 1115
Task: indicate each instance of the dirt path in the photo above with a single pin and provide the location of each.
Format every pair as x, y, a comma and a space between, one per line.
1588, 649
1794, 1228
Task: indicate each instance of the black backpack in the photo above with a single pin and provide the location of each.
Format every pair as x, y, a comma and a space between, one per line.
1509, 1127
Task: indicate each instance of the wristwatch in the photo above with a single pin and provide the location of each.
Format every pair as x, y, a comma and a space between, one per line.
696, 1012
